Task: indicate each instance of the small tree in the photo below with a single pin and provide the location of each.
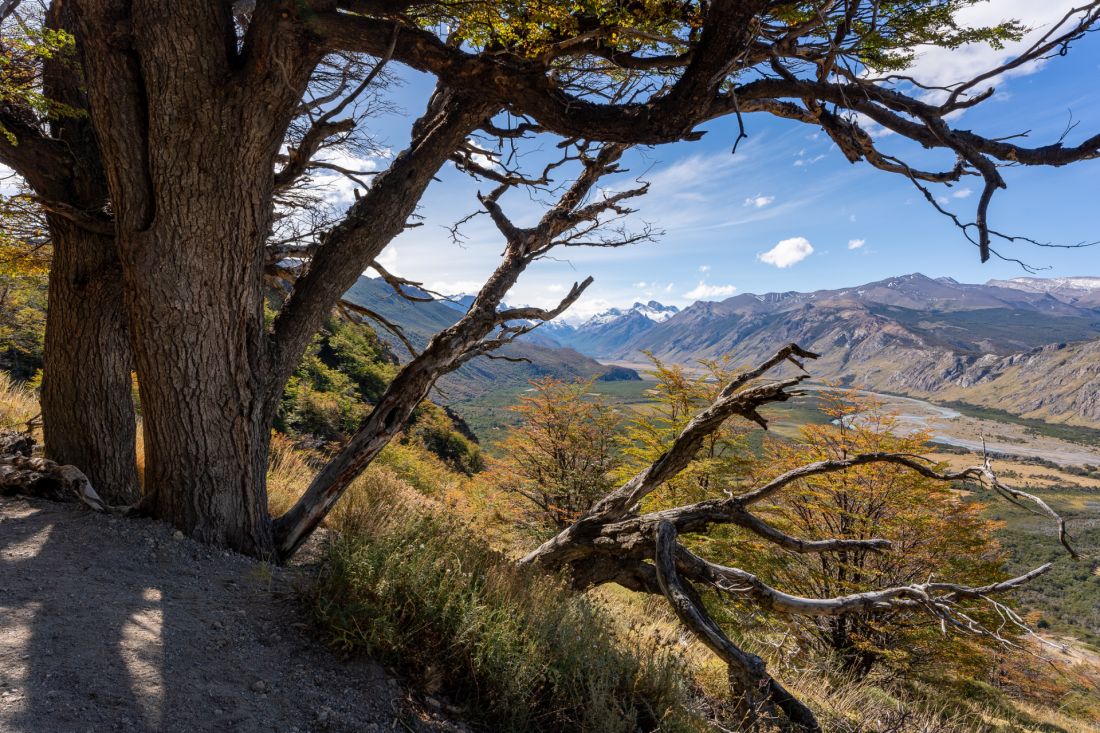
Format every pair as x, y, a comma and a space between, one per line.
933, 533
561, 457
677, 396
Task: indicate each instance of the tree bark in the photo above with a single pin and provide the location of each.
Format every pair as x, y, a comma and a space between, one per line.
189, 124
195, 302
87, 404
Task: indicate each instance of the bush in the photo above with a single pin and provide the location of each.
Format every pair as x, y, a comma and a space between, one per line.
520, 652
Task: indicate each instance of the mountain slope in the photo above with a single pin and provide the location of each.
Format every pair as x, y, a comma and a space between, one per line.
419, 321
1076, 290
1056, 383
991, 344
614, 328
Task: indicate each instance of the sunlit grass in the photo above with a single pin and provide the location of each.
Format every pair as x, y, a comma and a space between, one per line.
517, 650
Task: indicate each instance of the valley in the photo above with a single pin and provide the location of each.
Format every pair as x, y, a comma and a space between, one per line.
1014, 361
1029, 347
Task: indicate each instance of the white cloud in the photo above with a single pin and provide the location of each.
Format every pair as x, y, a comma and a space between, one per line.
585, 308
455, 287
335, 187
787, 252
388, 259
10, 182
704, 290
641, 284
856, 243
937, 66
668, 288
704, 269
962, 193
758, 201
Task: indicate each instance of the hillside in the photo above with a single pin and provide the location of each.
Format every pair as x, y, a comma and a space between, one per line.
1056, 383
1028, 346
419, 321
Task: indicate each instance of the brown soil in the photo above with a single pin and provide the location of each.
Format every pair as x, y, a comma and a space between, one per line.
115, 624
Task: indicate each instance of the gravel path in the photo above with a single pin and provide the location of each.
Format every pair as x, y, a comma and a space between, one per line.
114, 624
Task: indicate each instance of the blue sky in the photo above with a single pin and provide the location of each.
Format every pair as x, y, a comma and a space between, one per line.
789, 190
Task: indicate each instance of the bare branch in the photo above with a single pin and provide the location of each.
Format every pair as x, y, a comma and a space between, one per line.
748, 673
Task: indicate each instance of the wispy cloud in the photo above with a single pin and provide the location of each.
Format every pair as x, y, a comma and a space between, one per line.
942, 66
704, 290
856, 243
788, 252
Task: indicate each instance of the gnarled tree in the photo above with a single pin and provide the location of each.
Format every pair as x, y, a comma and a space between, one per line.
193, 102
615, 542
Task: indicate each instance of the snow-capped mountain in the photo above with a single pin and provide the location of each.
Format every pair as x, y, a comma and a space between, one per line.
609, 329
652, 310
1076, 290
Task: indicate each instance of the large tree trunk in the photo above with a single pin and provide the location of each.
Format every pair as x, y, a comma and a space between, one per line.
194, 291
87, 403
189, 125
87, 408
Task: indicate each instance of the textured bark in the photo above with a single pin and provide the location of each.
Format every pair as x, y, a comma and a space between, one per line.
87, 408
24, 475
189, 130
757, 693
196, 315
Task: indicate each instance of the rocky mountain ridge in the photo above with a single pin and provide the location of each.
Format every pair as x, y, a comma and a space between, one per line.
1027, 345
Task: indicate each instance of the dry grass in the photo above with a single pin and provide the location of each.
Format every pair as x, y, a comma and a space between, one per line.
18, 404
519, 652
288, 475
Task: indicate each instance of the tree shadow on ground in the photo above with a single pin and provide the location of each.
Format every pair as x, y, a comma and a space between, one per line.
114, 624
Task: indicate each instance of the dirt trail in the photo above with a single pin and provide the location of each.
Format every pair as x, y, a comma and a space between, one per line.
113, 624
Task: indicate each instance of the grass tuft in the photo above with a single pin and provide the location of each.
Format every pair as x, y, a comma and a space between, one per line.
18, 404
518, 651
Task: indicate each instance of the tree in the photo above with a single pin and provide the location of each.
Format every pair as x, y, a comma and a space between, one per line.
561, 456
722, 460
191, 104
932, 531
619, 541
47, 137
24, 266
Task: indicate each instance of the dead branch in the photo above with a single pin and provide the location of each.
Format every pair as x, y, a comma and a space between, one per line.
613, 543
25, 475
482, 330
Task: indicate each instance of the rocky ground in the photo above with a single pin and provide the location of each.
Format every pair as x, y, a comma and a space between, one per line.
116, 624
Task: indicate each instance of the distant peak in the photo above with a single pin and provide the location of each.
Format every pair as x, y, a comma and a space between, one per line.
1049, 284
652, 310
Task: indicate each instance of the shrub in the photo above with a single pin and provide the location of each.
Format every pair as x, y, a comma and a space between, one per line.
519, 651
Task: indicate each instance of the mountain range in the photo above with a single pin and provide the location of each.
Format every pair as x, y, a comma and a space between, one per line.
420, 320
1030, 346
